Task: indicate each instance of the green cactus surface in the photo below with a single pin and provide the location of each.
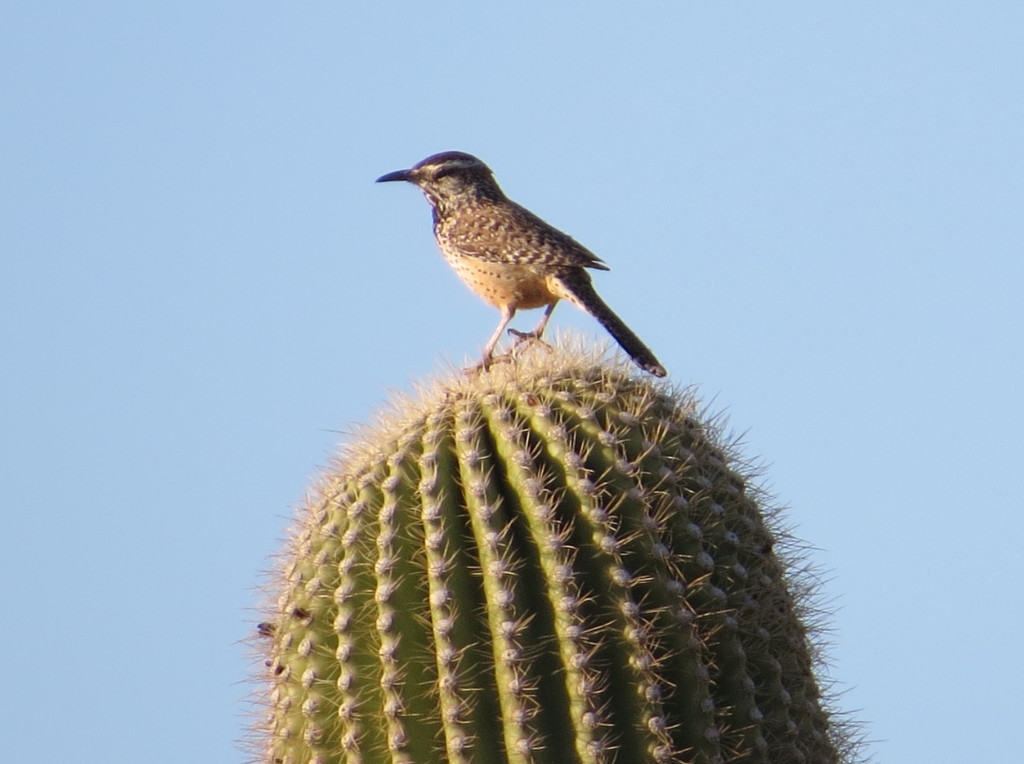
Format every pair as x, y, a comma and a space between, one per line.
552, 561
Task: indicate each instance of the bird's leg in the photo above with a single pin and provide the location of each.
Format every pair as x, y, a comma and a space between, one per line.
537, 333
506, 317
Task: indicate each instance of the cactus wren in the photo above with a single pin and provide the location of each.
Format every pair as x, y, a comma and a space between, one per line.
509, 256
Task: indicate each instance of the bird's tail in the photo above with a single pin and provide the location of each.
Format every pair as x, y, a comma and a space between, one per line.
580, 291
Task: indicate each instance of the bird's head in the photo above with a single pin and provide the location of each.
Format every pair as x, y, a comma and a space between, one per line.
448, 177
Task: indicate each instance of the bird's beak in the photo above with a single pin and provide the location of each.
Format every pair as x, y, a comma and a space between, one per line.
396, 175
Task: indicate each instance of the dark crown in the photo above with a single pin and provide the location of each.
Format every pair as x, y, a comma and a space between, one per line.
453, 161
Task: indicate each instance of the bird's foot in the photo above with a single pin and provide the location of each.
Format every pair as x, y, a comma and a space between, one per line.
527, 337
487, 362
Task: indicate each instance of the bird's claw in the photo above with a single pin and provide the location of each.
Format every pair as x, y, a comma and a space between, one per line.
486, 363
530, 337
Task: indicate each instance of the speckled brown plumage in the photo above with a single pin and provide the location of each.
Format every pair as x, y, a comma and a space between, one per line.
509, 256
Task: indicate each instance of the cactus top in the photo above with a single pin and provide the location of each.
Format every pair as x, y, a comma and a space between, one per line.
553, 561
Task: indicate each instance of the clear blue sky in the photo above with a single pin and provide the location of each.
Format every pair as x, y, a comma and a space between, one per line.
815, 212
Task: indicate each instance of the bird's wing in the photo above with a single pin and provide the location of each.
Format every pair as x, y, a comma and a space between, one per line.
517, 235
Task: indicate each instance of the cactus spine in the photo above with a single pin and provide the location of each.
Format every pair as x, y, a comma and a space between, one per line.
554, 562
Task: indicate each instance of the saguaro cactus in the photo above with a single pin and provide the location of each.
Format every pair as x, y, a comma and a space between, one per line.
553, 561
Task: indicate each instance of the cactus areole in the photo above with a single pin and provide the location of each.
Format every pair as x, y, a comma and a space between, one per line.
553, 561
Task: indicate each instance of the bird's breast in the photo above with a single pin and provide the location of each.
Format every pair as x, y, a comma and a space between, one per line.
502, 285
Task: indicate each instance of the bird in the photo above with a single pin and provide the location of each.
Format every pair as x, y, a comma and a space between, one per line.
508, 256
